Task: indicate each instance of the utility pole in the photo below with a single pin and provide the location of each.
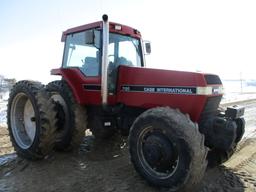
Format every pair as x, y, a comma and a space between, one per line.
241, 83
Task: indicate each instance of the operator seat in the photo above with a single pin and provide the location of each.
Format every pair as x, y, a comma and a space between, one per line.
90, 66
112, 72
123, 61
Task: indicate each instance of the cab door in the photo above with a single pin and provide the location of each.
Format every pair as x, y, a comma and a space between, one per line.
82, 65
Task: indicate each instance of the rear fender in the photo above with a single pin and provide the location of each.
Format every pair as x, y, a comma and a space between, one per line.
75, 80
67, 77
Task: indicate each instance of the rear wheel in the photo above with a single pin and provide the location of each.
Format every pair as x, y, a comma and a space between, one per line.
71, 117
30, 120
167, 149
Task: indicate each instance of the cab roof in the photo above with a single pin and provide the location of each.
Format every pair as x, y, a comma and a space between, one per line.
113, 27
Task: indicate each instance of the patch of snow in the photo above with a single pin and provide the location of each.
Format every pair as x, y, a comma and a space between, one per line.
4, 96
7, 158
233, 97
3, 113
238, 91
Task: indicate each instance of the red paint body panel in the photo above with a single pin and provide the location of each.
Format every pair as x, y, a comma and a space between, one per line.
75, 78
140, 76
191, 104
126, 30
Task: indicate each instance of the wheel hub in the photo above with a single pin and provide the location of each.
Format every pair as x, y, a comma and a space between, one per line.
29, 120
159, 153
23, 121
157, 150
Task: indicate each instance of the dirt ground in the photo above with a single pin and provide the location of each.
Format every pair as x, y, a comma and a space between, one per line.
106, 167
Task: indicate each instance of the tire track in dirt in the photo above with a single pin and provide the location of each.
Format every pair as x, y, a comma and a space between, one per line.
243, 163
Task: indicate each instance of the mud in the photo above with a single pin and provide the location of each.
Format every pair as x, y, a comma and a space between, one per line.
105, 166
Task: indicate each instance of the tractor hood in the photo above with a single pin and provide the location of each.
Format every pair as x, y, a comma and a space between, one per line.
188, 91
169, 81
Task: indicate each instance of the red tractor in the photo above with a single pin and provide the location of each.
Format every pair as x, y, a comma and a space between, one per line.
172, 118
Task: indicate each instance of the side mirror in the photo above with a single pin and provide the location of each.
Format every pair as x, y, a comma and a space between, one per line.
89, 37
147, 46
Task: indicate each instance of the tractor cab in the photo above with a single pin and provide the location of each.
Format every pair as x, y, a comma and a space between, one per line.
84, 51
97, 50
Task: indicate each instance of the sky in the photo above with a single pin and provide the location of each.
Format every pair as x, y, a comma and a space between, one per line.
201, 35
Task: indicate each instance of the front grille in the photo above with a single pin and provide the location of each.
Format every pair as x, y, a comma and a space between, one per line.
210, 108
212, 79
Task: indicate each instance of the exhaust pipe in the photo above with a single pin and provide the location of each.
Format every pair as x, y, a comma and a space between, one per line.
104, 66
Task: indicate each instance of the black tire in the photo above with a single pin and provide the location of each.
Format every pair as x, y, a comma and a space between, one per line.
216, 156
30, 120
163, 129
71, 117
240, 129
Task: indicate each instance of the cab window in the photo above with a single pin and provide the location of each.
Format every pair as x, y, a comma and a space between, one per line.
79, 53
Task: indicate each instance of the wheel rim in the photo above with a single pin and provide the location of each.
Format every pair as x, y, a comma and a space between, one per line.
157, 154
62, 115
23, 121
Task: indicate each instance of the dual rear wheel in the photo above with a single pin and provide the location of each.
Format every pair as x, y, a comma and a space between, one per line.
31, 120
40, 119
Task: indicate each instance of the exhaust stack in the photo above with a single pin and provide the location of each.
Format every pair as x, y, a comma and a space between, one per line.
104, 67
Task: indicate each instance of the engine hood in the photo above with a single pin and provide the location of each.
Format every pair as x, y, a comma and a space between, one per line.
159, 80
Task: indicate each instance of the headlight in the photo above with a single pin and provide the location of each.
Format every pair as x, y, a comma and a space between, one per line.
210, 90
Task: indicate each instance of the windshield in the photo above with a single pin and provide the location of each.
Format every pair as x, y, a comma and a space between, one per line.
124, 50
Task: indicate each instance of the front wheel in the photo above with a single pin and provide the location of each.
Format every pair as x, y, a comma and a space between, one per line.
216, 157
167, 149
